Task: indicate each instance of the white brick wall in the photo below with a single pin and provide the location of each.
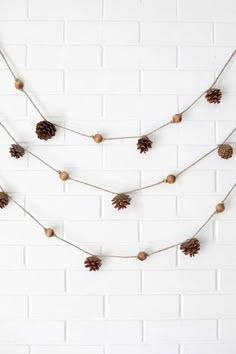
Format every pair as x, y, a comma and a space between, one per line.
124, 67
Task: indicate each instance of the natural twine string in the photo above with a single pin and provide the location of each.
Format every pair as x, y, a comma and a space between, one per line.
117, 137
108, 190
113, 255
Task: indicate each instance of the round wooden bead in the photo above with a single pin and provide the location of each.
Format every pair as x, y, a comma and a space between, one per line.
64, 175
19, 84
49, 232
220, 208
177, 118
170, 179
142, 256
98, 138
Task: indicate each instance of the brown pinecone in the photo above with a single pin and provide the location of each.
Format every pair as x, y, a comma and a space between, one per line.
4, 200
45, 130
93, 263
144, 144
17, 151
190, 247
213, 95
121, 201
225, 151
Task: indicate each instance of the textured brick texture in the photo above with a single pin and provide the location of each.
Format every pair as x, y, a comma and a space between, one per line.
118, 67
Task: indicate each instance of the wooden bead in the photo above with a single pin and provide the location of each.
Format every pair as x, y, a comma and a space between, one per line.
170, 179
220, 208
177, 118
142, 256
49, 232
98, 138
64, 175
19, 84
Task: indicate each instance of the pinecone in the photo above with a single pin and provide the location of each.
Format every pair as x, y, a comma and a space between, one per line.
190, 247
121, 201
213, 95
93, 263
4, 200
144, 144
17, 151
225, 151
45, 130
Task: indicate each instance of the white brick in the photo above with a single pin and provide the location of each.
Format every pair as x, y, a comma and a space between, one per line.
85, 57
179, 281
176, 33
15, 52
104, 282
119, 157
106, 33
16, 109
27, 282
172, 230
13, 307
103, 81
64, 157
108, 231
66, 307
225, 33
73, 207
206, 348
66, 349
174, 82
99, 332
225, 278
11, 256
140, 106
36, 182
13, 9
69, 106
35, 332
139, 57
224, 231
27, 232
227, 329
13, 349
69, 9
159, 207
214, 10
181, 330
162, 348
205, 306
197, 206
57, 257
39, 32
134, 9
144, 307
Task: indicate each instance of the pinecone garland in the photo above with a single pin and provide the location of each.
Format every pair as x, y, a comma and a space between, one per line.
190, 247
144, 144
213, 95
4, 200
17, 151
121, 201
93, 263
225, 151
45, 130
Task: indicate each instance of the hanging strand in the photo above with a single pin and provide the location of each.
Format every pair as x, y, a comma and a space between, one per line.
118, 256
122, 137
108, 190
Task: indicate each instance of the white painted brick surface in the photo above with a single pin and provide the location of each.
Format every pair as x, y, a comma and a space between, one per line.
117, 67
